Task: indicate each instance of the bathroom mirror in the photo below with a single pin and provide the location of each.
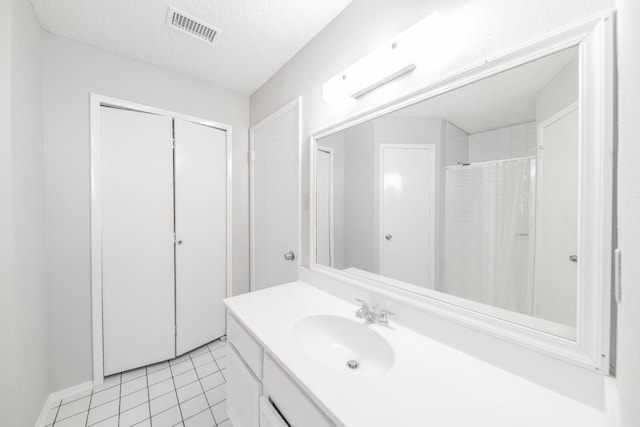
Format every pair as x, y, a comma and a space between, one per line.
487, 196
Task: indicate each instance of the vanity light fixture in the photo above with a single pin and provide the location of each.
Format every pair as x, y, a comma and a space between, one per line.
393, 59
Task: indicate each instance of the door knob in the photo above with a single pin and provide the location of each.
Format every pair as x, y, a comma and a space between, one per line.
289, 256
179, 242
388, 237
573, 258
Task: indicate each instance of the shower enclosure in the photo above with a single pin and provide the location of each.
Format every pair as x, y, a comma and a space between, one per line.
488, 239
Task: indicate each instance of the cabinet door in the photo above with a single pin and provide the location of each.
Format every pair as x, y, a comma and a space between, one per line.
136, 169
269, 417
201, 233
243, 393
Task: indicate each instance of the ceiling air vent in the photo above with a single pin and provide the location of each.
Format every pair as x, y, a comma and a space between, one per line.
182, 22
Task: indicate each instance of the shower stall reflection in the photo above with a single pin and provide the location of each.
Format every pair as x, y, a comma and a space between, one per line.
488, 245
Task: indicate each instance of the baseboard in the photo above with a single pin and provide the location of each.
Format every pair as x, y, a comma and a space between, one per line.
612, 402
59, 395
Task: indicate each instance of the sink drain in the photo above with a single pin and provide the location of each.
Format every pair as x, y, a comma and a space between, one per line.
352, 364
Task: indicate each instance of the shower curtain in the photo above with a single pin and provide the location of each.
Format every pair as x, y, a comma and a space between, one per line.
486, 242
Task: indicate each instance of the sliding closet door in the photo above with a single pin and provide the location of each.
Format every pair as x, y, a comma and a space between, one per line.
201, 233
137, 239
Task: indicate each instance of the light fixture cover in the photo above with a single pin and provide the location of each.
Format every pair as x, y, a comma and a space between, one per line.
393, 59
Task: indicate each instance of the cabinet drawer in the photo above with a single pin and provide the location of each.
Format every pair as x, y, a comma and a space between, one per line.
245, 344
294, 405
243, 393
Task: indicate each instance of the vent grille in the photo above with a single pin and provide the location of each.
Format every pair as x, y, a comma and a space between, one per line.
190, 25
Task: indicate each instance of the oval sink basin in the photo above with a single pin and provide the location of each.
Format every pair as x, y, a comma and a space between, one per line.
338, 342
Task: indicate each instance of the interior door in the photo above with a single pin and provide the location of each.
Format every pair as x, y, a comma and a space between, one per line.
406, 215
201, 233
275, 198
136, 162
324, 206
556, 273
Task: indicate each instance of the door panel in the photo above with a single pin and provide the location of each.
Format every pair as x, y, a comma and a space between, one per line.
201, 233
275, 200
137, 239
406, 216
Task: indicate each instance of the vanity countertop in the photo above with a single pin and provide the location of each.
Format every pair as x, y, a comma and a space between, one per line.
429, 384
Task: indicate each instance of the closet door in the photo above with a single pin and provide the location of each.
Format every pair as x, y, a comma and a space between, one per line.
201, 233
137, 239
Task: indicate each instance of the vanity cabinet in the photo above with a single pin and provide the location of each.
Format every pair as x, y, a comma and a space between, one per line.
259, 392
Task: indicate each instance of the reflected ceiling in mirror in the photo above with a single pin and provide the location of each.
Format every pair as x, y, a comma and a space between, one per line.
470, 196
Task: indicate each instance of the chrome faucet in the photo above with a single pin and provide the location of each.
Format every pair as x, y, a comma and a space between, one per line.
373, 316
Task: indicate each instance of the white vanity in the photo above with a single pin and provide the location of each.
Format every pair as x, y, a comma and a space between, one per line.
289, 346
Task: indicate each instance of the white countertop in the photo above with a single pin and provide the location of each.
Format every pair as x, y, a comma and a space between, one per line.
429, 384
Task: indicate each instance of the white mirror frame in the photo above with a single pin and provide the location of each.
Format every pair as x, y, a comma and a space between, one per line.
591, 348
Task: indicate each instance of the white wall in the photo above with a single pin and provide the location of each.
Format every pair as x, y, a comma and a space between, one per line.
23, 293
457, 144
483, 29
560, 92
71, 71
360, 198
628, 348
7, 355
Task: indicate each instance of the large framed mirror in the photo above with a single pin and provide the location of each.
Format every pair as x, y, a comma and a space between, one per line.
486, 197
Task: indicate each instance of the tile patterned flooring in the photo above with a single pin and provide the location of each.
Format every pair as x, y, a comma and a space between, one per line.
189, 391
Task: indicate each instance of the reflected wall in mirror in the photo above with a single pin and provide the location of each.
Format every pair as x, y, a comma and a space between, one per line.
471, 194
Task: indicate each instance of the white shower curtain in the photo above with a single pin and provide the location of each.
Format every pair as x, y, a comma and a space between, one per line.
486, 243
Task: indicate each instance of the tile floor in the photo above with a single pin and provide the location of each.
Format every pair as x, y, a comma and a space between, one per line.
189, 391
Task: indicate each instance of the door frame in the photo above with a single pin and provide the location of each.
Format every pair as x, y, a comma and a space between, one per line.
329, 151
289, 106
431, 148
96, 101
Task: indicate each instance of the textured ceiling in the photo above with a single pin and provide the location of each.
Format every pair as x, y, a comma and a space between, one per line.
502, 100
258, 36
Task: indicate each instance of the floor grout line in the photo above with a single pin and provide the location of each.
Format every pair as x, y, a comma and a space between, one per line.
57, 411
220, 370
146, 372
86, 421
204, 410
176, 391
119, 399
62, 401
204, 392
216, 362
103, 403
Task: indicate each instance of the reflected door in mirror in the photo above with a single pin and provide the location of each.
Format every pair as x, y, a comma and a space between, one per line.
406, 213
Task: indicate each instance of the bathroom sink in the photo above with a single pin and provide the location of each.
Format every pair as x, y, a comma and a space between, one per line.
344, 345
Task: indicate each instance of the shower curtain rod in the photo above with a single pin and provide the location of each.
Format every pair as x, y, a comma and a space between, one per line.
489, 162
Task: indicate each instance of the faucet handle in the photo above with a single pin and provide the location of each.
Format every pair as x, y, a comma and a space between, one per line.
384, 317
362, 311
